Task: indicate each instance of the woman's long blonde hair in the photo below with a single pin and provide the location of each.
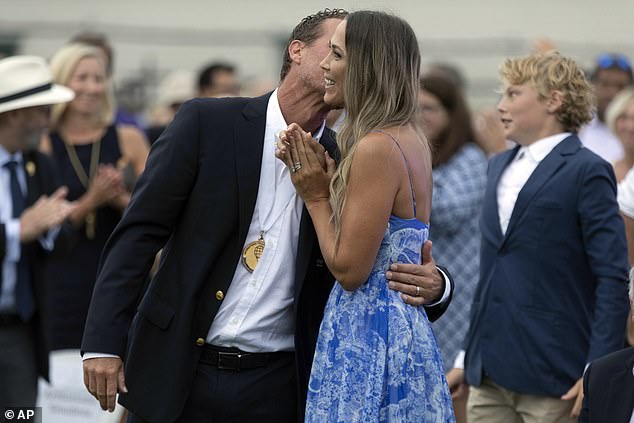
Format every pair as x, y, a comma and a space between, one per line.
380, 88
62, 65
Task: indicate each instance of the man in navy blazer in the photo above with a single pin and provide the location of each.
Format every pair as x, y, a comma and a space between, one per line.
608, 384
225, 331
553, 273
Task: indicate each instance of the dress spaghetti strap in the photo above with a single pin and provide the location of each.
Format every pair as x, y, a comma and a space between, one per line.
411, 182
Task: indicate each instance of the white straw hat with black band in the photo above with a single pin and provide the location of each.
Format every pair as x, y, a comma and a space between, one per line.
26, 81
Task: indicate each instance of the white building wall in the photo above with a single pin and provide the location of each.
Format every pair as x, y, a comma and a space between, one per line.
156, 36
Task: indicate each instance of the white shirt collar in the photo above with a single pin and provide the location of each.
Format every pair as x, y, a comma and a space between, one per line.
320, 132
274, 118
542, 147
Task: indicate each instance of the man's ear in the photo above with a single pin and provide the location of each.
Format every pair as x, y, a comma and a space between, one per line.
555, 101
295, 51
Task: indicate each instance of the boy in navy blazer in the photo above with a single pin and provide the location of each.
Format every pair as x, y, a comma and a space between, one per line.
552, 294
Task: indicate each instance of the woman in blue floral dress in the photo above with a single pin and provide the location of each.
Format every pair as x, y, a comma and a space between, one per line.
376, 358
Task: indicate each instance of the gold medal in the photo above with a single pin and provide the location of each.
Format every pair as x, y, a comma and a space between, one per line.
252, 253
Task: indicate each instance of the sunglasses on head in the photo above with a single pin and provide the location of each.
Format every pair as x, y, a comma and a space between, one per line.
607, 60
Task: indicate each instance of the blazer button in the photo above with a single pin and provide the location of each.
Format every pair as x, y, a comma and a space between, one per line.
200, 342
220, 295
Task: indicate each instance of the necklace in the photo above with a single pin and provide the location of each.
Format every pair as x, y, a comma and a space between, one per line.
275, 193
86, 180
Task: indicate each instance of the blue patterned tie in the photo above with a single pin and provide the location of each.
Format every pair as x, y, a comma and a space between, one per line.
23, 291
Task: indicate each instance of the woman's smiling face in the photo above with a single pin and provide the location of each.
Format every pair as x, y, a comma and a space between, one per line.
334, 66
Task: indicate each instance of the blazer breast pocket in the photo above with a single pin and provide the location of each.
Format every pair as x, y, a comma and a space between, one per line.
548, 204
554, 218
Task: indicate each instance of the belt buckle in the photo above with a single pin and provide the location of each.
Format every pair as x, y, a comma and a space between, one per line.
229, 361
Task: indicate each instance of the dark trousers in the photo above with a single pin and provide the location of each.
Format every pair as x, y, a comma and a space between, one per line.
264, 394
18, 368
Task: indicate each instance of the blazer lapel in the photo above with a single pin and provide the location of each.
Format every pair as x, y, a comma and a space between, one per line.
542, 173
330, 144
490, 229
249, 143
490, 214
305, 246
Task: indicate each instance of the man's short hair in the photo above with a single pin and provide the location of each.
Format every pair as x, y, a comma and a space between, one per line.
206, 75
615, 61
307, 31
548, 72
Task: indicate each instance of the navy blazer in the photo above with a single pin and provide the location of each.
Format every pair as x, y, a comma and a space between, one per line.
552, 294
608, 389
196, 198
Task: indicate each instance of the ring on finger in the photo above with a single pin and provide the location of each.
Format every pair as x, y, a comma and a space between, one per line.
418, 291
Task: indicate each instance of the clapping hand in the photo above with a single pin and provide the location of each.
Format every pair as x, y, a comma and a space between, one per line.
45, 213
106, 186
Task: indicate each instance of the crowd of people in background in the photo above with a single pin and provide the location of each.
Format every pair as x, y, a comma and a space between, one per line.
570, 252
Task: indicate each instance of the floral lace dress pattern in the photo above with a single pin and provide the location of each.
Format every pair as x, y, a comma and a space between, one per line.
377, 358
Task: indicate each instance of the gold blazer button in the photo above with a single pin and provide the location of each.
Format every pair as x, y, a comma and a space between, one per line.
220, 295
200, 342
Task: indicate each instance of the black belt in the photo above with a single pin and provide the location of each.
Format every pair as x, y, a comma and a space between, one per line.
8, 320
236, 360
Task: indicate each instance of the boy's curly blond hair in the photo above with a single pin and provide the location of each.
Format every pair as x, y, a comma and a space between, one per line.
548, 72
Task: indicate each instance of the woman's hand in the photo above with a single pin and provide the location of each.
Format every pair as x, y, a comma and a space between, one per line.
310, 165
282, 146
106, 186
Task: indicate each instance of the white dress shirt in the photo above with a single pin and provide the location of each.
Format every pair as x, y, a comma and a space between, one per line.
519, 170
256, 314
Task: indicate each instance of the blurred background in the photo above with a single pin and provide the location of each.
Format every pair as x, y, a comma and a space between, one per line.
151, 39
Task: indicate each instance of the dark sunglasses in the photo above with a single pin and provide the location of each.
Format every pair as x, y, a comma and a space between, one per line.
607, 60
